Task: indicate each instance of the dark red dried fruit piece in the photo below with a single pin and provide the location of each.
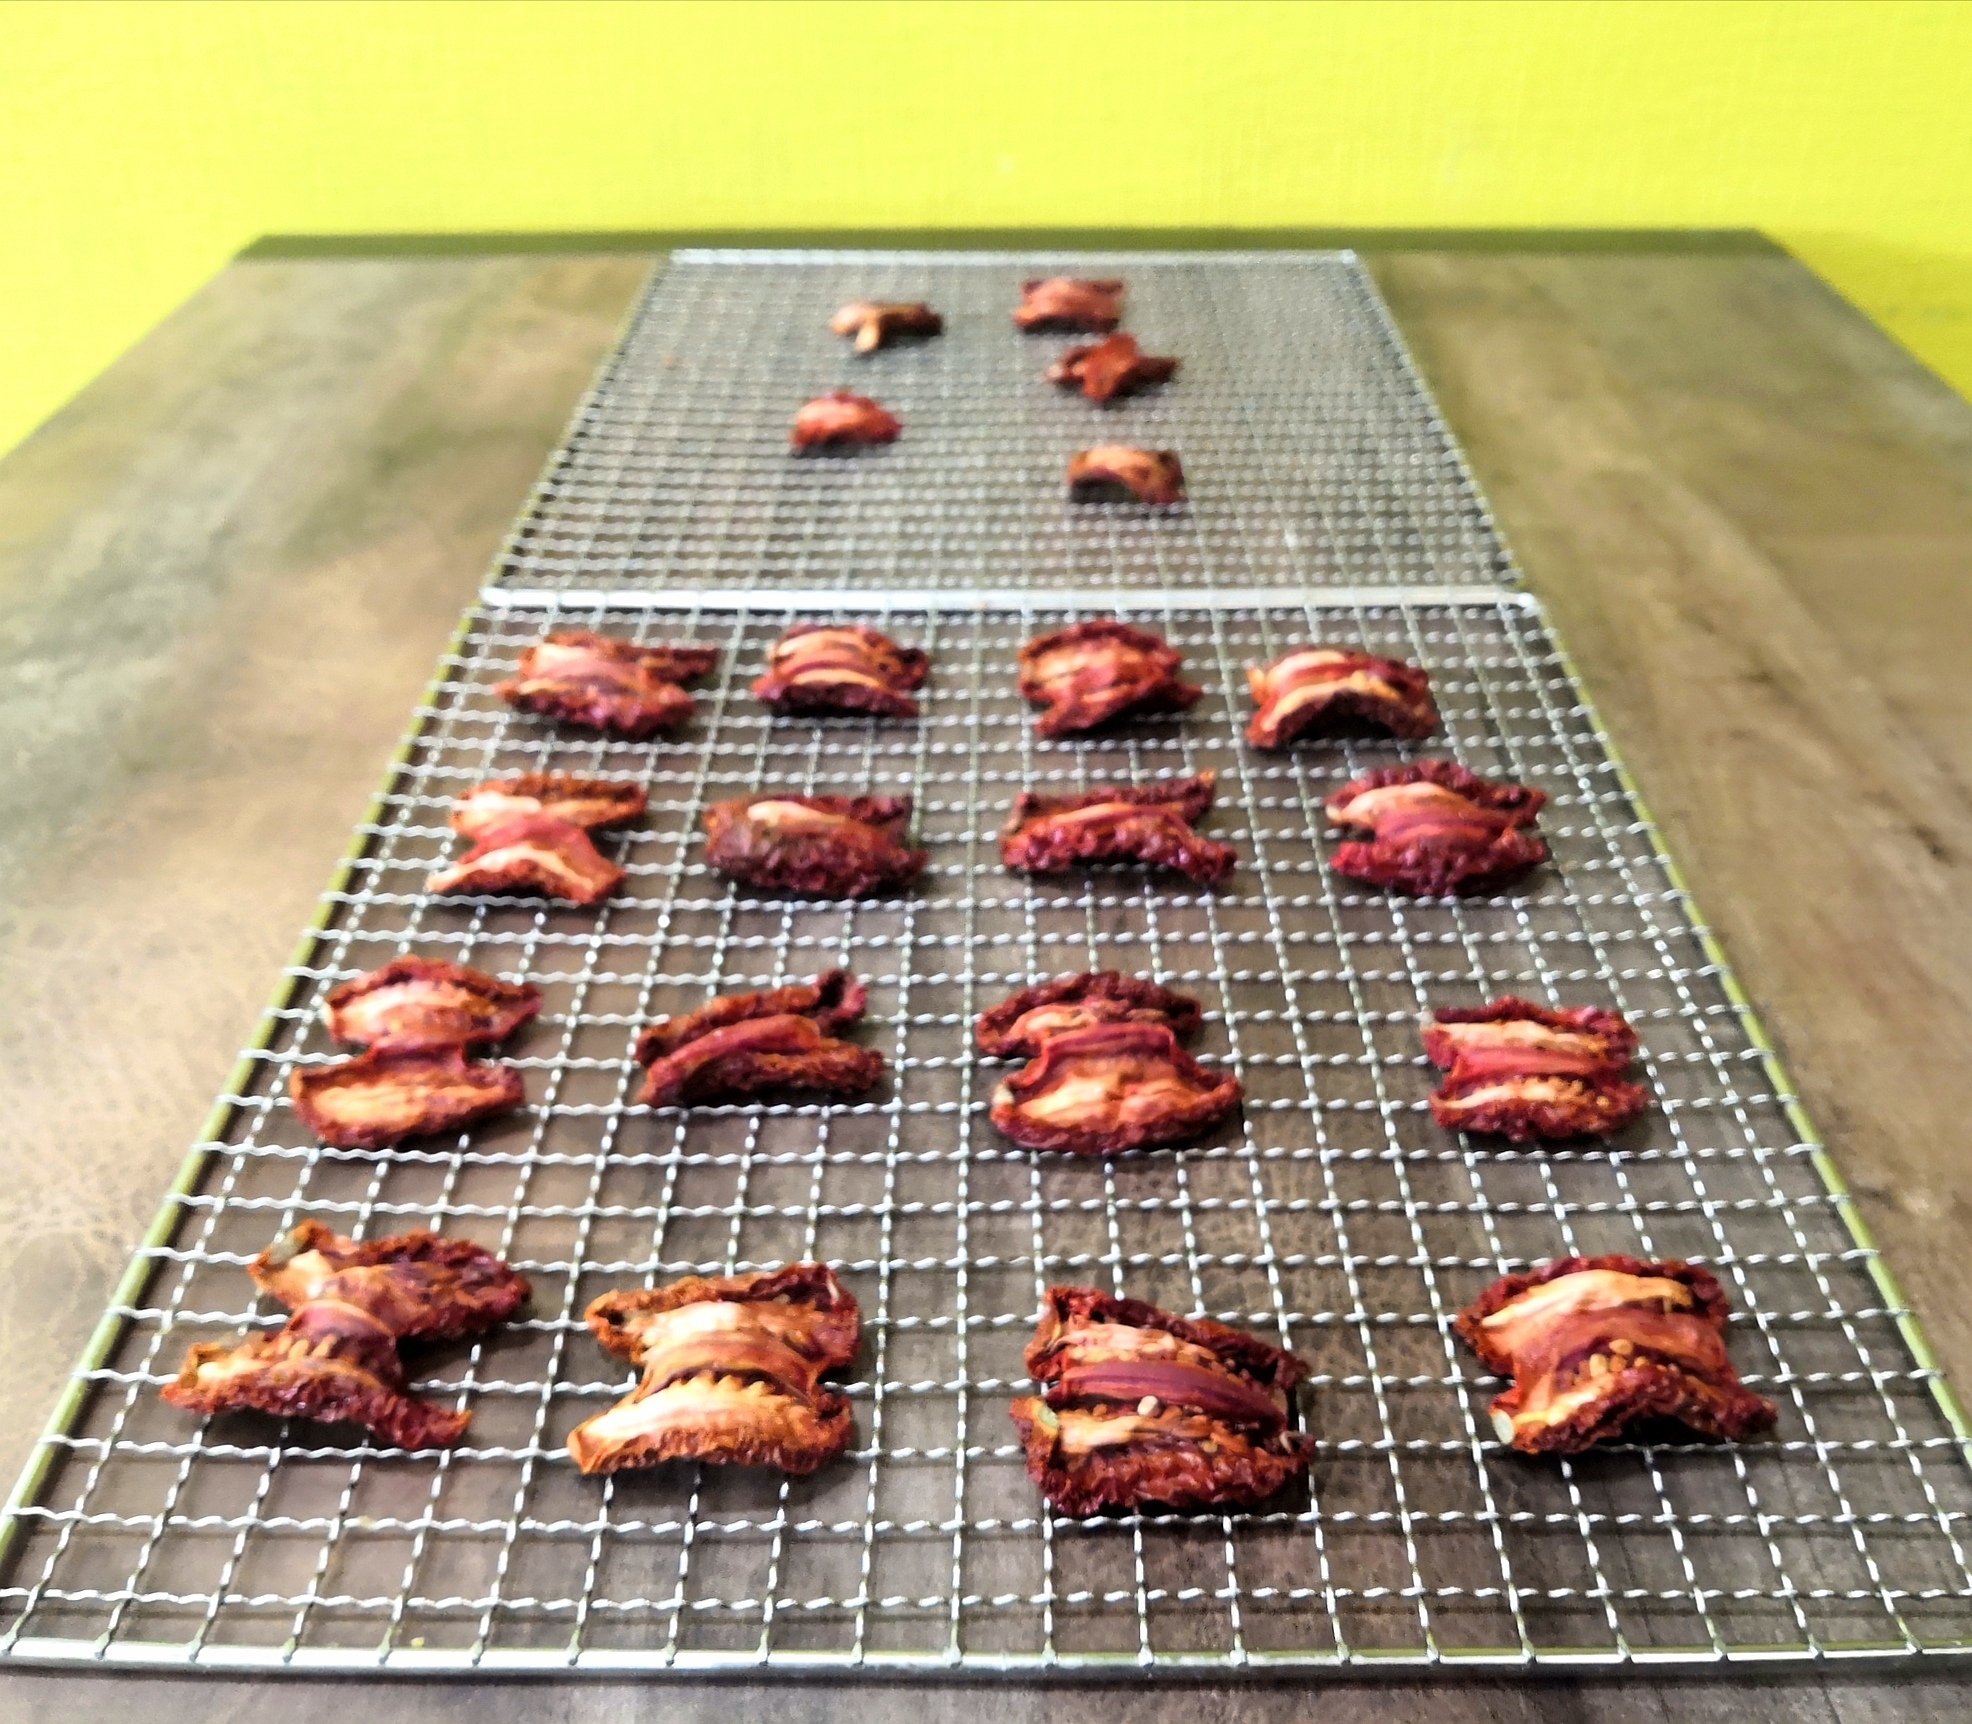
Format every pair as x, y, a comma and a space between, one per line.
876, 323
732, 1372
1109, 1088
594, 804
1594, 1342
1149, 475
1070, 305
737, 1047
389, 1094
419, 1285
607, 684
843, 668
1318, 685
1516, 1068
1089, 673
833, 846
425, 1003
1140, 1407
1022, 1023
532, 853
832, 999
1118, 823
1104, 370
843, 419
1437, 829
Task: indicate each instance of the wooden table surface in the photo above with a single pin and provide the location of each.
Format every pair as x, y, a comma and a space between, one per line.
225, 570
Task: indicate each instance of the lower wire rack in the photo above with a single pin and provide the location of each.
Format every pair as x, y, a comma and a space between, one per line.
1333, 1214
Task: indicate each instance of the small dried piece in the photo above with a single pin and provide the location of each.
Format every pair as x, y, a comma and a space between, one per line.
841, 668
1594, 1342
832, 999
833, 846
1437, 829
1149, 475
1516, 1068
732, 1372
749, 1044
1110, 1088
1318, 685
1089, 673
843, 419
389, 1094
607, 684
425, 1003
1118, 823
1141, 1407
532, 853
1069, 305
1022, 1023
594, 804
419, 1285
1110, 368
877, 323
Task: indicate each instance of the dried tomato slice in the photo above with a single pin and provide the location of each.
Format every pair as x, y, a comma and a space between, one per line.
1089, 673
876, 323
1113, 367
1319, 685
419, 1285
606, 684
1021, 1023
532, 853
1437, 828
1518, 1069
832, 999
1069, 304
1150, 475
389, 1094
1139, 1406
1109, 1088
594, 804
1593, 1343
832, 846
841, 668
759, 1056
842, 419
1118, 823
426, 1003
731, 1369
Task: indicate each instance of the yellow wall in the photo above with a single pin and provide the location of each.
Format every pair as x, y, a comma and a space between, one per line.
141, 144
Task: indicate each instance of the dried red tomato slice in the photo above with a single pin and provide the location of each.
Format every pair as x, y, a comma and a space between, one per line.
832, 846
758, 1056
1594, 1342
731, 1369
1113, 367
842, 419
389, 1094
1110, 1088
832, 999
1319, 685
1021, 1023
594, 804
1437, 829
876, 323
1089, 673
842, 668
606, 684
418, 1285
1118, 823
1069, 304
1150, 475
1518, 1069
532, 853
425, 1003
1139, 1406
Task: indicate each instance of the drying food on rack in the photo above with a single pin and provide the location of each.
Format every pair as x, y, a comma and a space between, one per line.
841, 668
1594, 1342
875, 323
425, 1003
1321, 685
1089, 673
831, 846
1069, 305
1436, 829
607, 684
843, 419
1149, 823
741, 1045
832, 999
336, 1358
388, 1094
1110, 1088
594, 804
1518, 1069
532, 853
1112, 367
1102, 473
1021, 1023
731, 1369
1139, 1407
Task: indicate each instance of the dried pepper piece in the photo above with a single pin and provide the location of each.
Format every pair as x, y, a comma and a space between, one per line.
1069, 304
732, 1372
841, 668
419, 1285
606, 684
1150, 475
1594, 1342
1141, 1407
1024, 1021
1089, 673
757, 1055
532, 853
832, 999
833, 846
1518, 1069
876, 323
1118, 823
1437, 829
1318, 685
389, 1094
842, 419
425, 1003
594, 804
1113, 367
1110, 1088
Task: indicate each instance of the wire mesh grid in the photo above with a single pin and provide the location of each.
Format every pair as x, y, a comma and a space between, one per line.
1313, 455
1333, 1214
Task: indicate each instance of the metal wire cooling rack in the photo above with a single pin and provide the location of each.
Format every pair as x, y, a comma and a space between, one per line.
1313, 454
1333, 1214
